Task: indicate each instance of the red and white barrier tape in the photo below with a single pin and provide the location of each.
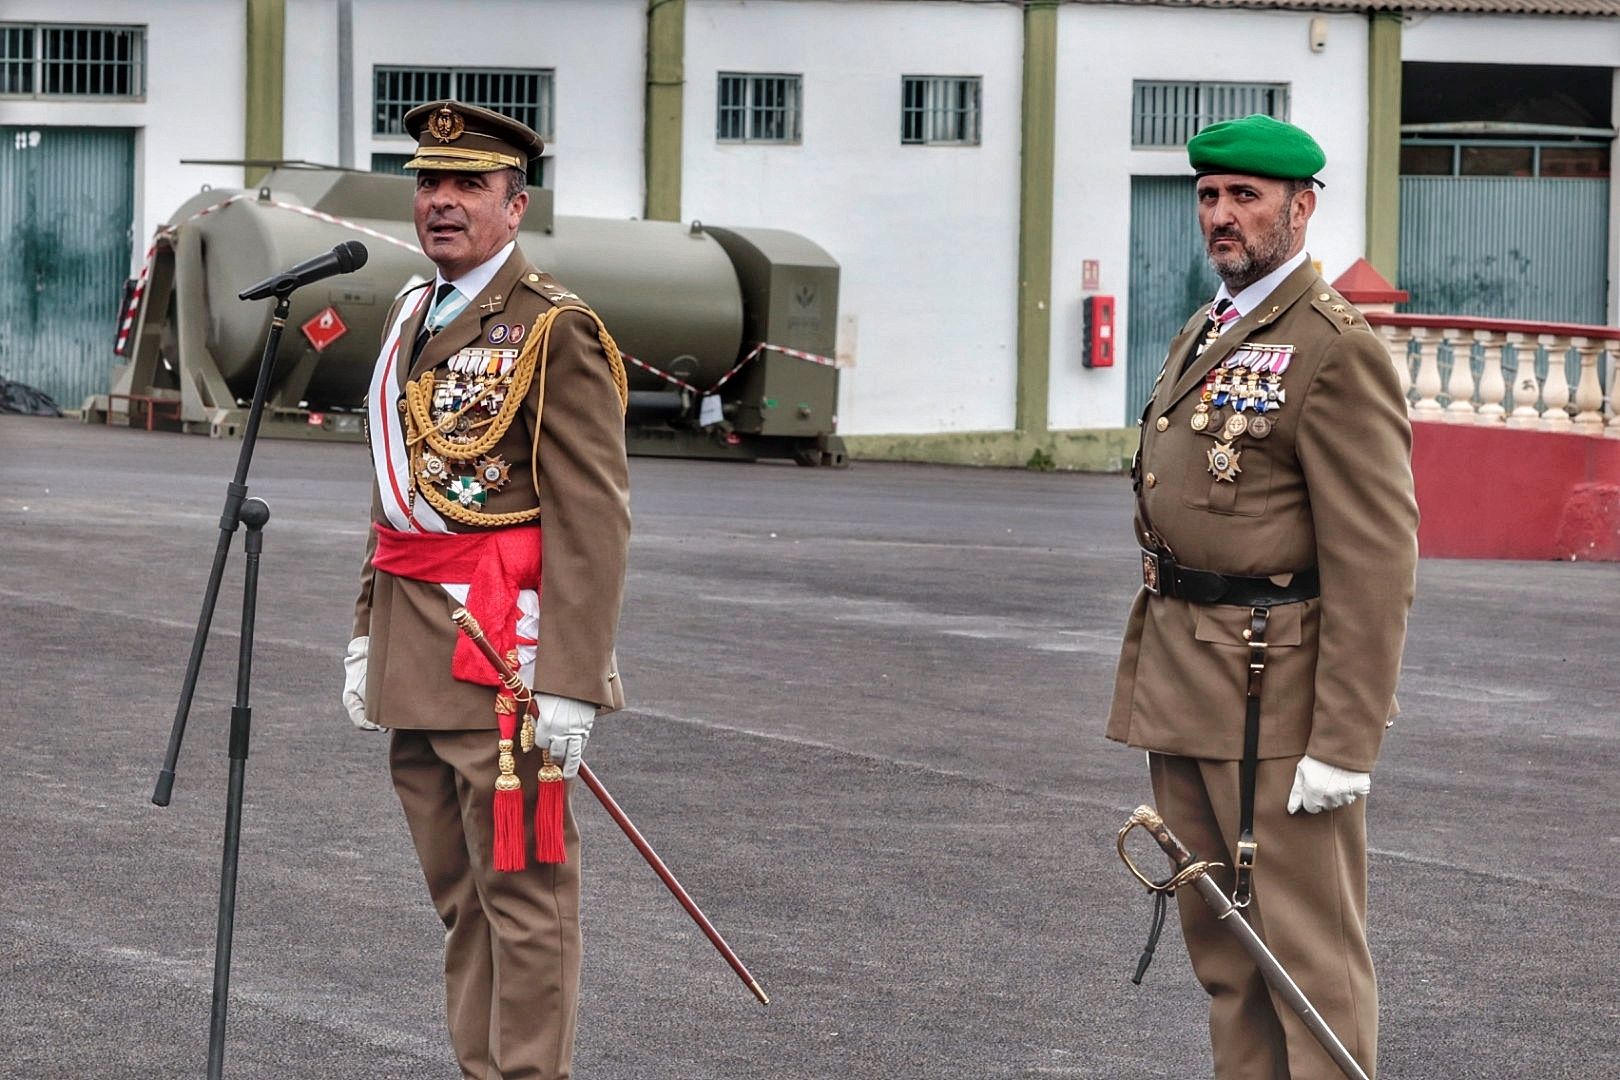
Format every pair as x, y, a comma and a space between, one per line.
134, 304
825, 361
133, 307
666, 376
320, 215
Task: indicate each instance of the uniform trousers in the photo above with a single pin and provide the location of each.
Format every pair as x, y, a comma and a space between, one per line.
512, 940
1309, 906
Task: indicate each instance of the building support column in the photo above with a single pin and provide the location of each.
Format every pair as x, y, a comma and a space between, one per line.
1035, 215
266, 72
666, 76
1384, 142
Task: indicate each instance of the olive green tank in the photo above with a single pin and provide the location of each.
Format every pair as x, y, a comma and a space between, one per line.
689, 300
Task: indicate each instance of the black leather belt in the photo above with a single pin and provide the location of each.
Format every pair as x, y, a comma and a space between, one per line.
1163, 576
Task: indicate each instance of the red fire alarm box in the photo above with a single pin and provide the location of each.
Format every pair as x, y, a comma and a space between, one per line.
1098, 350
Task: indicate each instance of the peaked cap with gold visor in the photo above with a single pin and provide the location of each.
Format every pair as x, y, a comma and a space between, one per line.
455, 137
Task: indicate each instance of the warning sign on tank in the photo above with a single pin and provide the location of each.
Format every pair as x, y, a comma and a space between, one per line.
325, 328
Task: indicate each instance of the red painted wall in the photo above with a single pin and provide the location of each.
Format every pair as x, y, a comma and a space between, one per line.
1494, 493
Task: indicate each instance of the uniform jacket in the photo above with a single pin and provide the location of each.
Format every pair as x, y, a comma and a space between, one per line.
1330, 486
584, 497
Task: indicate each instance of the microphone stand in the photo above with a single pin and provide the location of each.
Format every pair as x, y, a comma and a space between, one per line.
255, 514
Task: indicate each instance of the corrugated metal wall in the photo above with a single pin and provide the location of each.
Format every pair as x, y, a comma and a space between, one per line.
1506, 247
1169, 278
66, 211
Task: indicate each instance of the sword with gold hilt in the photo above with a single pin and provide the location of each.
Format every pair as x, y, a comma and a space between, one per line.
468, 625
1194, 871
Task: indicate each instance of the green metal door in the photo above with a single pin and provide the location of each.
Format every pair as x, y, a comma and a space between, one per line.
1169, 278
66, 210
1506, 247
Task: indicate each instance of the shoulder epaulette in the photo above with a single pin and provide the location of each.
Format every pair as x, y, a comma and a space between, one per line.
548, 287
1337, 310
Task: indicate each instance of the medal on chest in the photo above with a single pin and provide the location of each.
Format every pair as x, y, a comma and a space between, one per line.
1223, 462
1250, 381
455, 415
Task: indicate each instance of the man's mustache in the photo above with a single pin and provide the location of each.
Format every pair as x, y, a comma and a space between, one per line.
1225, 232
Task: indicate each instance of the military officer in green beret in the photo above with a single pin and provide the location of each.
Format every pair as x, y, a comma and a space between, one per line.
496, 413
1278, 530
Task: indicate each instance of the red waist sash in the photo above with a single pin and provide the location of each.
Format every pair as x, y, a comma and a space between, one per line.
496, 564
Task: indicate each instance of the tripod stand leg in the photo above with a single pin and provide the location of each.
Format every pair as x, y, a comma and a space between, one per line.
235, 512
254, 515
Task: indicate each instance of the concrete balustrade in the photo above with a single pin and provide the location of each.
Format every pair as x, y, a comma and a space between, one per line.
1529, 402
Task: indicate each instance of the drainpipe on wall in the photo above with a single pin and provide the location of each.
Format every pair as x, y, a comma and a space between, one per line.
666, 74
1384, 142
266, 55
1035, 216
345, 77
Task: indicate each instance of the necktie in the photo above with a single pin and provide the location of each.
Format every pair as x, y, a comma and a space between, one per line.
429, 327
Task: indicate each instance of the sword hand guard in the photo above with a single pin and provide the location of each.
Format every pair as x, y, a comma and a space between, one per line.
1187, 869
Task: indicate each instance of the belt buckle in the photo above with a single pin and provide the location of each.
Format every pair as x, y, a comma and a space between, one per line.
1150, 572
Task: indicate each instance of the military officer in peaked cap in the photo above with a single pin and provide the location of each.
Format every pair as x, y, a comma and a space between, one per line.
1277, 525
496, 418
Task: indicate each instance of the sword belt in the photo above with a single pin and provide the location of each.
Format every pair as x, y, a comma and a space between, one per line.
1163, 576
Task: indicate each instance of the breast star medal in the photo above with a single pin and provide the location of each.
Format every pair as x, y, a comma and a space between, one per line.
1223, 462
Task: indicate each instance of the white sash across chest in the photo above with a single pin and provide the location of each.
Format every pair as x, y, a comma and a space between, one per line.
388, 454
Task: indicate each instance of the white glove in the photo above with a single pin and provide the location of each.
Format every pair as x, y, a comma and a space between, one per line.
563, 728
354, 683
1319, 786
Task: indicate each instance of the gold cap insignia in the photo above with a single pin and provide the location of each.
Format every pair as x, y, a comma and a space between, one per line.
446, 125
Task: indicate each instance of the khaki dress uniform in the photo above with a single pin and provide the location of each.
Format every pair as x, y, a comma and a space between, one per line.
1320, 480
512, 940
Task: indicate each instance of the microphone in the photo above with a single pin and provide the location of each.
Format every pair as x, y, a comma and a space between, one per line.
345, 258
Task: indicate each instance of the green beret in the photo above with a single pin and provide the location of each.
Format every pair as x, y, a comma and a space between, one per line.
1257, 146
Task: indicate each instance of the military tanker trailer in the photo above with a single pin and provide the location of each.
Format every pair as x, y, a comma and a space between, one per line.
689, 302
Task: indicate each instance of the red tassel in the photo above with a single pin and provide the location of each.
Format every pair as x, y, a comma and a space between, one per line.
548, 814
509, 854
509, 830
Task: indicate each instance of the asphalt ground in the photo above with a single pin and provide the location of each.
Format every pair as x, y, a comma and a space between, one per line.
866, 732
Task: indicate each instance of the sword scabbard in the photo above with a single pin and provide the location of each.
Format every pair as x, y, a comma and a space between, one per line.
468, 625
1189, 869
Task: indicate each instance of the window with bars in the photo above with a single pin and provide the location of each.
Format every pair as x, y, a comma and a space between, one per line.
1170, 113
525, 96
940, 110
759, 108
42, 60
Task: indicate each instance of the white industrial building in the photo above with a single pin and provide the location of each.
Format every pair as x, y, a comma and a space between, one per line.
908, 139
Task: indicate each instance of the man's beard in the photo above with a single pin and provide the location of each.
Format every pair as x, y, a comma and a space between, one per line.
1256, 257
